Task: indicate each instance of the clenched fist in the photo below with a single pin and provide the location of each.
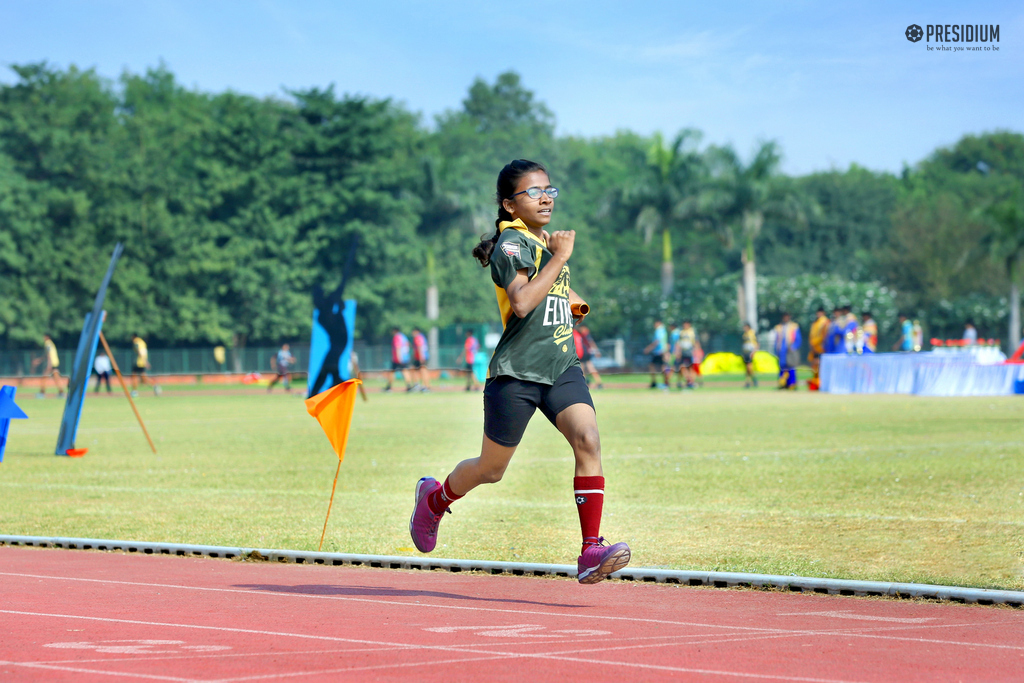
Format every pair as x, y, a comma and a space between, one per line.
560, 243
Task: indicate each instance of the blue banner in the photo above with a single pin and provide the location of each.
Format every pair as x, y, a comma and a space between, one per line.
330, 347
78, 382
9, 410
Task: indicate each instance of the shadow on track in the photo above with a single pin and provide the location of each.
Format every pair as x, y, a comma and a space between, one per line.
385, 592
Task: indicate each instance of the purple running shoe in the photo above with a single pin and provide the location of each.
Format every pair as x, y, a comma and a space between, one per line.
599, 560
423, 523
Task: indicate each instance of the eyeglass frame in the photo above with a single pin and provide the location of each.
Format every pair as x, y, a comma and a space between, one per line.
547, 190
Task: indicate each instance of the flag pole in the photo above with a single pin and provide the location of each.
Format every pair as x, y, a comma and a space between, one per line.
127, 394
333, 486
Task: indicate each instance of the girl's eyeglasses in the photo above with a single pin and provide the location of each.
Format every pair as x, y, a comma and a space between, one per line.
536, 192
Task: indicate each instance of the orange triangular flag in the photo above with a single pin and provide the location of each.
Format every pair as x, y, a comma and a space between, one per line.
333, 410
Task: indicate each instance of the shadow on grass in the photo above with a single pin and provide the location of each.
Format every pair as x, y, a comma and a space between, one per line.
385, 592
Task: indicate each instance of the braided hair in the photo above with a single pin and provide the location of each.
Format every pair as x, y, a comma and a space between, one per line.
508, 180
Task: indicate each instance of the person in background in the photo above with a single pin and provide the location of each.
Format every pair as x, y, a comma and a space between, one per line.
355, 373
220, 357
470, 349
140, 366
870, 333
658, 348
970, 334
587, 349
672, 357
818, 337
686, 347
834, 334
698, 359
850, 329
282, 363
51, 368
399, 359
750, 347
906, 340
917, 335
420, 356
787, 348
103, 369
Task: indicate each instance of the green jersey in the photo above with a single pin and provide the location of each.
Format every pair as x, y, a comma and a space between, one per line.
538, 347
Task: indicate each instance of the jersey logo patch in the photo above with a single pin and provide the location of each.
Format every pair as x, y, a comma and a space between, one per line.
510, 249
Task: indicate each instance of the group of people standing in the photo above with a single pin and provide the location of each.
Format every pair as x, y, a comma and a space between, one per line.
410, 359
102, 367
842, 333
674, 350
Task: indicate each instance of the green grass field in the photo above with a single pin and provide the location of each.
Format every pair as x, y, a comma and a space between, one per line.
865, 487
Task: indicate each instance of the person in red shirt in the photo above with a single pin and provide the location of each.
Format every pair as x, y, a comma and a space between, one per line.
586, 349
420, 356
399, 358
470, 348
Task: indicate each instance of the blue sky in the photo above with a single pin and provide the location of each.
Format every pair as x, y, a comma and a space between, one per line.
834, 82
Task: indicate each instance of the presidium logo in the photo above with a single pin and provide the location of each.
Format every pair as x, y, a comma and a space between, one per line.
967, 36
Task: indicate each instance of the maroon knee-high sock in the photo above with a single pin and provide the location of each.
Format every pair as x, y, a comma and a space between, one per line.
589, 503
440, 499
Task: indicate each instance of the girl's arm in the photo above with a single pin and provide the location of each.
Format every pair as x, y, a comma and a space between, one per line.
525, 294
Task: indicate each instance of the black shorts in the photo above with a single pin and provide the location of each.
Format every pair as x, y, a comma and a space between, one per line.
136, 370
657, 360
283, 372
398, 366
509, 403
685, 362
416, 364
748, 357
587, 356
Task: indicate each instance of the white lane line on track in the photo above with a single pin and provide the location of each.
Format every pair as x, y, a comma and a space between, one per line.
466, 649
676, 640
765, 633
228, 629
372, 667
718, 640
513, 655
72, 669
397, 603
383, 644
848, 614
571, 655
218, 655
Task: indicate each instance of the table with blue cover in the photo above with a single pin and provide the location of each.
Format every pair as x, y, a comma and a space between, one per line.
924, 374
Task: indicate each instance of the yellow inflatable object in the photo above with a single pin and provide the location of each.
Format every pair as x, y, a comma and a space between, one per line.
766, 362
722, 363
730, 363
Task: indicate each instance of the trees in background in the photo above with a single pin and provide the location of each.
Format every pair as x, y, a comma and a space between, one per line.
231, 208
939, 255
749, 194
1005, 242
663, 195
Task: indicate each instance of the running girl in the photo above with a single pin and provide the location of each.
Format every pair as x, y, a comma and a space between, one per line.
534, 366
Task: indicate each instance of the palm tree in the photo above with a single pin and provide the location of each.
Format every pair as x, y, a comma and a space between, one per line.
665, 193
1005, 245
744, 196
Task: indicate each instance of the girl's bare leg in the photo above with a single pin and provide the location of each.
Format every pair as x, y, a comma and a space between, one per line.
578, 424
488, 468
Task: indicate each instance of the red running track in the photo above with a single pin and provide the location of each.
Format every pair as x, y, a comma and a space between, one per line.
93, 616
